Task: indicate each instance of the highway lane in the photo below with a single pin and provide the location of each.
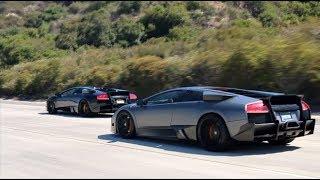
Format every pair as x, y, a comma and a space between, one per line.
35, 144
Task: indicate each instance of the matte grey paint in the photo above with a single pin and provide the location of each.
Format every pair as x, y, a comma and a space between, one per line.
156, 119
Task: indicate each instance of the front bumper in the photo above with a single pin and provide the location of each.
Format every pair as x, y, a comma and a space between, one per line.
274, 131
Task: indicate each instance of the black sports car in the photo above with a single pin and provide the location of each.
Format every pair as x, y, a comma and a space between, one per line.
90, 100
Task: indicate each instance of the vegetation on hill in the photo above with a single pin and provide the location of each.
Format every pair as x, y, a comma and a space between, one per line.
150, 46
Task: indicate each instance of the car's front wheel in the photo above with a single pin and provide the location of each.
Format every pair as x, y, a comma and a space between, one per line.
125, 125
51, 108
281, 141
213, 134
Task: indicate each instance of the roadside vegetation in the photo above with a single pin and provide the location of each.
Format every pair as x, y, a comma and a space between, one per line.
150, 46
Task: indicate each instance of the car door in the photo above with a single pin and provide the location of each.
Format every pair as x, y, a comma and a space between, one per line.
157, 113
188, 108
76, 96
64, 99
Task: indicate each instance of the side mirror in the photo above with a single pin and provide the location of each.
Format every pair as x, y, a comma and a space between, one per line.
141, 102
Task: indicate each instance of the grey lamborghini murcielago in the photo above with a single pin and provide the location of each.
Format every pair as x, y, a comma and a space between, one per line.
216, 116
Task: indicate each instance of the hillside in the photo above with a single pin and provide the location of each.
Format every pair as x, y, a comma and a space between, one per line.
150, 46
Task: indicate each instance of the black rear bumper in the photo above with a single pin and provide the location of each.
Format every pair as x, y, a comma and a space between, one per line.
110, 108
274, 131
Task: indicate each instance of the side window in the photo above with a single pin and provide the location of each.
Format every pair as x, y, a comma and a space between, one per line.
78, 91
167, 97
68, 92
87, 91
192, 96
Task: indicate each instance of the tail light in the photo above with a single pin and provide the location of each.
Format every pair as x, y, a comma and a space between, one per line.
305, 106
256, 107
103, 97
132, 96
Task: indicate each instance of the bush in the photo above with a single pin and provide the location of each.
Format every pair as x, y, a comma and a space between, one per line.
128, 32
77, 7
193, 5
52, 13
96, 30
12, 53
183, 33
254, 7
33, 21
9, 32
128, 7
149, 71
67, 39
96, 5
269, 16
300, 9
159, 20
44, 78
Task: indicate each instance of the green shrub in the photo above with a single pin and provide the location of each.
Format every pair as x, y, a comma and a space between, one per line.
33, 20
96, 5
183, 33
12, 53
193, 5
96, 30
128, 7
9, 31
52, 13
269, 17
149, 71
77, 7
67, 39
128, 32
159, 20
44, 78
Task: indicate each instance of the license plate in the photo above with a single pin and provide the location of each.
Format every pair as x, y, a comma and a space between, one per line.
285, 117
120, 101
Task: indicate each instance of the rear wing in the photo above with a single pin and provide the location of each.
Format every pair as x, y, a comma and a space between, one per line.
284, 100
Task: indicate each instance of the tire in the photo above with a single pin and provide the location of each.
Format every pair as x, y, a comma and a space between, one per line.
281, 141
125, 125
84, 109
213, 134
51, 108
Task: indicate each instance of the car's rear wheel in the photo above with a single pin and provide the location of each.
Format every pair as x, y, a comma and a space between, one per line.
213, 134
51, 108
84, 109
125, 125
281, 141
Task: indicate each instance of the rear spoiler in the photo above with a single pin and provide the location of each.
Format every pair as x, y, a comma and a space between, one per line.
282, 100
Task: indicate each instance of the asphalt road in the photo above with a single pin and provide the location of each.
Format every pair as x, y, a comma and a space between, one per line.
35, 144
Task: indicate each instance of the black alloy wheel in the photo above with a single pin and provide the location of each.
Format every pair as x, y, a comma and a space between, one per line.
125, 125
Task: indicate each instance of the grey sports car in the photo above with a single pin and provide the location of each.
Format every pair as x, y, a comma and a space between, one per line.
86, 100
216, 116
